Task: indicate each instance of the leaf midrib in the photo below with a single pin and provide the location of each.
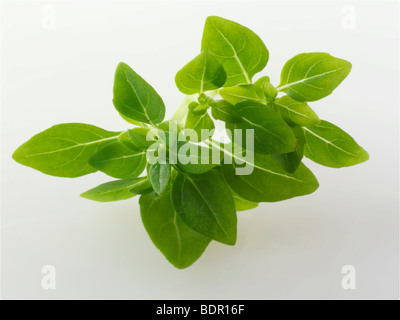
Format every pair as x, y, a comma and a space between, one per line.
234, 55
138, 97
329, 142
251, 164
288, 85
291, 110
205, 201
121, 157
122, 188
72, 147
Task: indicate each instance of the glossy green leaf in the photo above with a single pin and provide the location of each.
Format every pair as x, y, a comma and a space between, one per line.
295, 113
312, 76
270, 91
137, 138
134, 98
260, 82
170, 126
202, 74
243, 92
64, 149
243, 204
268, 182
140, 139
206, 205
114, 190
330, 146
159, 175
290, 161
241, 52
143, 187
119, 161
197, 108
271, 133
198, 159
181, 245
198, 122
131, 121
225, 111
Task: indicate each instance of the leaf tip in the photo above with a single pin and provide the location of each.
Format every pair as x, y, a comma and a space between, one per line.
16, 155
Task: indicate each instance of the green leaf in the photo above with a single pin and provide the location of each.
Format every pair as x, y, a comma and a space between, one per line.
260, 82
198, 159
290, 161
198, 122
134, 122
312, 76
114, 190
137, 138
206, 205
243, 204
271, 133
268, 182
225, 111
296, 113
330, 146
143, 187
159, 174
243, 92
181, 245
199, 109
64, 149
171, 126
202, 74
241, 52
269, 91
119, 161
134, 98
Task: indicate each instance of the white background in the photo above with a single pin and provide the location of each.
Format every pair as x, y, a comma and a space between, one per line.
291, 249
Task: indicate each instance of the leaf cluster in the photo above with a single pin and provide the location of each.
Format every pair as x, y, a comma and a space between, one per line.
186, 205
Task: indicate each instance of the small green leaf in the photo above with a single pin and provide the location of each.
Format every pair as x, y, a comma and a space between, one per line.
170, 126
270, 92
260, 82
126, 139
202, 74
138, 137
181, 245
296, 113
268, 182
206, 205
243, 92
241, 52
225, 111
198, 122
114, 190
64, 149
143, 187
119, 161
312, 76
198, 159
198, 109
290, 161
159, 174
243, 204
330, 146
271, 133
134, 98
